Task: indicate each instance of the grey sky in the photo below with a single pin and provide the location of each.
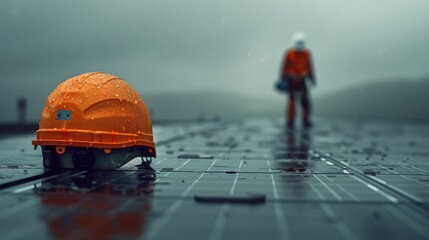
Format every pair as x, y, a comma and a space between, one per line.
180, 45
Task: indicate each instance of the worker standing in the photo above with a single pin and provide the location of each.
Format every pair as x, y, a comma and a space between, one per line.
296, 69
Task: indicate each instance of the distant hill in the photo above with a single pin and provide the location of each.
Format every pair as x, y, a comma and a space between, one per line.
400, 99
390, 99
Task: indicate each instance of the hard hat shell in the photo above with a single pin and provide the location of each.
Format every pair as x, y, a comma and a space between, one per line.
95, 110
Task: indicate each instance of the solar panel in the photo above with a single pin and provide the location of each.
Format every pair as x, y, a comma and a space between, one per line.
232, 180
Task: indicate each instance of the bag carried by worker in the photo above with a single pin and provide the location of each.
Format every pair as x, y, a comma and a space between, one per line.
281, 85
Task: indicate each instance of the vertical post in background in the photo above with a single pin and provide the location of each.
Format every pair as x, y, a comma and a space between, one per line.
21, 105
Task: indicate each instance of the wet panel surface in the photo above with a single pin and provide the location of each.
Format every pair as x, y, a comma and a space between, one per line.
252, 179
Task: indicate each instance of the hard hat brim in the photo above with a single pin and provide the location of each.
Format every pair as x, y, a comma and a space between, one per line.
97, 139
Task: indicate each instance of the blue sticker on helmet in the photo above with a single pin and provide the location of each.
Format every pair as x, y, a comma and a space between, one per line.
64, 115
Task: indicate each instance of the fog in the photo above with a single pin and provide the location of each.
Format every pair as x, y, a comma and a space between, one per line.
196, 45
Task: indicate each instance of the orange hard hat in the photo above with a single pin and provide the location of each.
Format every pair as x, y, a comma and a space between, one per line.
90, 115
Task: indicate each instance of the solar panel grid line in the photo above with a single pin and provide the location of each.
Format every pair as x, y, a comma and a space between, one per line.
29, 184
406, 177
112, 180
350, 194
414, 167
390, 187
292, 201
275, 192
318, 193
335, 194
418, 201
23, 189
396, 174
377, 190
282, 226
219, 225
157, 162
381, 192
175, 169
342, 229
158, 226
231, 192
16, 183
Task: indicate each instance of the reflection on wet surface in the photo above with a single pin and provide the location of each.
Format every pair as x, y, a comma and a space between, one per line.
251, 179
88, 206
294, 156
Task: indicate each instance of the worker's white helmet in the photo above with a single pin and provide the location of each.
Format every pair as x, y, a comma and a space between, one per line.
298, 40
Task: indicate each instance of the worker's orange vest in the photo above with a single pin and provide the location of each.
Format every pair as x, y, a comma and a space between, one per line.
297, 63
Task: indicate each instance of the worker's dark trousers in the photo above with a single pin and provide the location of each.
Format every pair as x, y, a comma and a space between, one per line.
305, 103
